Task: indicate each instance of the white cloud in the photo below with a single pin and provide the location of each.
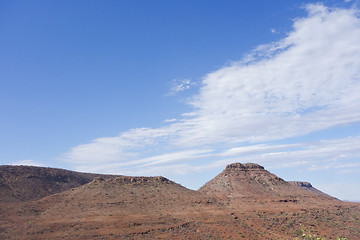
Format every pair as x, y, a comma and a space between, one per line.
313, 156
180, 85
127, 145
300, 80
27, 162
170, 120
306, 82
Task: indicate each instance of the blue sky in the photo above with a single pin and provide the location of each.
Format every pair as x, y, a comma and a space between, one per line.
182, 88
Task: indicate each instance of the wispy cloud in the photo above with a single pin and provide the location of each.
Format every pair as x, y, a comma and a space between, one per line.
180, 85
170, 120
337, 154
305, 82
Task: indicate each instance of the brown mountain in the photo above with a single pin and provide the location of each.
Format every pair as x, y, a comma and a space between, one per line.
240, 182
243, 202
122, 196
122, 206
26, 183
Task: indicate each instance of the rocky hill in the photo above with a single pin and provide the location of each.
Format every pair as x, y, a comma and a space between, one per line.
122, 196
239, 182
27, 183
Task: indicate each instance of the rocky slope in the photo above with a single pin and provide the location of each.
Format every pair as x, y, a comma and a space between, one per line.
239, 182
121, 196
308, 187
27, 183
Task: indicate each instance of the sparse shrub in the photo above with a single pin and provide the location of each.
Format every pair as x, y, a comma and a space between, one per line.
309, 236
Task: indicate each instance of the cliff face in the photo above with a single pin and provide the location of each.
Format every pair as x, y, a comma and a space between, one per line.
301, 184
243, 167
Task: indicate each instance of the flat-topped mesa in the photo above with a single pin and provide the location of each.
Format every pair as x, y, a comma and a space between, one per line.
243, 167
301, 184
131, 180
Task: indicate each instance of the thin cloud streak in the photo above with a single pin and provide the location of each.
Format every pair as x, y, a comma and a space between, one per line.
324, 154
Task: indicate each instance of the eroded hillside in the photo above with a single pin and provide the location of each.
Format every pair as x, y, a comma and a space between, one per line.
245, 201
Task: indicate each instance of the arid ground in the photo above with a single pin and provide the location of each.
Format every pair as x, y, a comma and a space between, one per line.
245, 201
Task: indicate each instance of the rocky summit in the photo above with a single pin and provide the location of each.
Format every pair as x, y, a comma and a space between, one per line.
244, 201
244, 167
